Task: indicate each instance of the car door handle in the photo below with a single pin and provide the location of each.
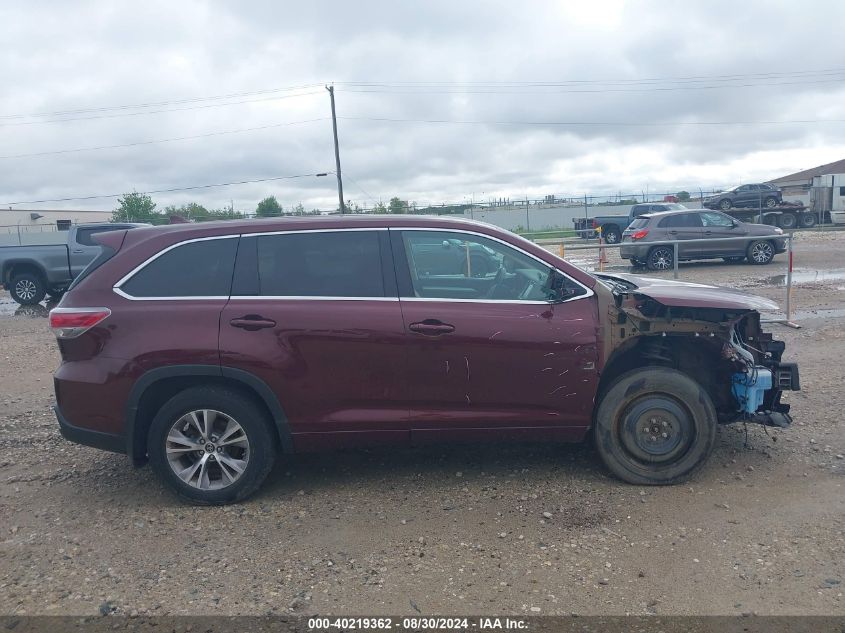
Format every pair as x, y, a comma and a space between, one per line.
708, 232
673, 232
77, 251
431, 327
252, 322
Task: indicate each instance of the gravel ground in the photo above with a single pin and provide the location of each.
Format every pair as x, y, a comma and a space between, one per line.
516, 529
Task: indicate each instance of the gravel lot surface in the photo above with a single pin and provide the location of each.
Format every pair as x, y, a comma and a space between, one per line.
515, 529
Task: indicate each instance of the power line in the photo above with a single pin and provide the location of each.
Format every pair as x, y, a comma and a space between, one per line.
590, 123
150, 104
170, 190
124, 114
766, 76
734, 77
163, 140
364, 191
497, 90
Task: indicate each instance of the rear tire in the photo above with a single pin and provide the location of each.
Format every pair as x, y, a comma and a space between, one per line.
770, 203
195, 434
788, 221
611, 235
27, 288
725, 204
660, 258
655, 426
807, 220
761, 252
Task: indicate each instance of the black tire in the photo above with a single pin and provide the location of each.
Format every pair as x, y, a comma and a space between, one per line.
760, 252
788, 220
734, 260
770, 202
611, 234
807, 220
725, 204
27, 288
260, 453
660, 258
655, 426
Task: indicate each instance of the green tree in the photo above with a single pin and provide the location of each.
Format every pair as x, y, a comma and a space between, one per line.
298, 209
397, 206
268, 208
380, 208
683, 196
135, 207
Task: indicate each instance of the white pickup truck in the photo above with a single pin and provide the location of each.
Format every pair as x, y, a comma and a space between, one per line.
31, 272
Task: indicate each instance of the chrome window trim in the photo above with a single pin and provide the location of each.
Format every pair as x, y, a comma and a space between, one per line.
589, 291
308, 298
119, 291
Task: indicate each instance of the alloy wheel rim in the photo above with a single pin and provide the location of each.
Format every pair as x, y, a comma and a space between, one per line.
661, 259
207, 449
611, 238
761, 252
25, 289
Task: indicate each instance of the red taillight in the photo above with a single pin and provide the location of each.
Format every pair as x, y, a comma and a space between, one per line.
595, 224
71, 322
638, 235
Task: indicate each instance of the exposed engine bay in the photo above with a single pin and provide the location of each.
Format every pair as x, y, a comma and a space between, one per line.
716, 339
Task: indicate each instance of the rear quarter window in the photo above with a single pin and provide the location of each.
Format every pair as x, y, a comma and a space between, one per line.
195, 269
638, 223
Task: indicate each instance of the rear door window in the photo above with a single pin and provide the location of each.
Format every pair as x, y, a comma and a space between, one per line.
345, 264
201, 268
85, 236
681, 221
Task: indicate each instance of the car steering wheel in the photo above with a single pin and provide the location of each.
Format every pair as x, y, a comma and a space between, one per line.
497, 281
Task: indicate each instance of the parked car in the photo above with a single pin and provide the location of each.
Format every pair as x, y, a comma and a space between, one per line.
612, 226
754, 195
211, 349
638, 246
31, 272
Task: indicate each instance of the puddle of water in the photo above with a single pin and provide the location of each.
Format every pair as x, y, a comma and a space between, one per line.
807, 277
11, 308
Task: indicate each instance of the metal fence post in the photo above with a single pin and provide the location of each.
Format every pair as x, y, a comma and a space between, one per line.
675, 260
789, 277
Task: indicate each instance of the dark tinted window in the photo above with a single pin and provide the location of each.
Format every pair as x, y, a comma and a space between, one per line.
195, 269
320, 264
681, 221
85, 236
639, 209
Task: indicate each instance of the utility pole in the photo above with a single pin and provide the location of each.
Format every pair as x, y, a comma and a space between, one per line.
342, 207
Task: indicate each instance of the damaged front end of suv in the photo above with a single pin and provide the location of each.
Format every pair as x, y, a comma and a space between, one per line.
710, 333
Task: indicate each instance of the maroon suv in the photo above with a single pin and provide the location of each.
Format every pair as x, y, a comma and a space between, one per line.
208, 349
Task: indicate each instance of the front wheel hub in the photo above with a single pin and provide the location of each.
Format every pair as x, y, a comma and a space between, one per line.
656, 429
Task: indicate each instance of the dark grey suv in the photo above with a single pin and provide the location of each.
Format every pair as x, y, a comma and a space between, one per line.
757, 195
763, 241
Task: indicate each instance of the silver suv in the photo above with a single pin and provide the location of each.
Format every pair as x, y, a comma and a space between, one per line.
763, 241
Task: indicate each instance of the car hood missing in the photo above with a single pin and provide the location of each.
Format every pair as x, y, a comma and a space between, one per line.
685, 294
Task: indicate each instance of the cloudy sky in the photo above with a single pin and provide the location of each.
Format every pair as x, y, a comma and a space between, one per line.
437, 101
